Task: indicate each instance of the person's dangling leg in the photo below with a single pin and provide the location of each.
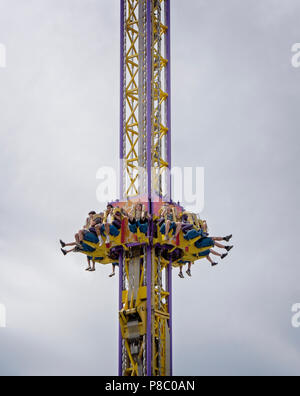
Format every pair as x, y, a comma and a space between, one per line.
81, 236
168, 225
178, 229
213, 264
65, 252
93, 266
227, 238
218, 254
107, 233
219, 245
89, 264
77, 238
113, 271
63, 244
98, 232
181, 273
189, 272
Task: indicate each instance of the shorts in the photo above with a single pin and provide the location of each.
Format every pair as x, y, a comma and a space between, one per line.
91, 237
113, 230
205, 242
204, 254
143, 227
192, 234
172, 228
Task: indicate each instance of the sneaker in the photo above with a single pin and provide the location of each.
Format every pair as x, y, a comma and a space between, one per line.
214, 264
62, 244
224, 255
64, 252
181, 276
228, 248
112, 275
189, 273
227, 239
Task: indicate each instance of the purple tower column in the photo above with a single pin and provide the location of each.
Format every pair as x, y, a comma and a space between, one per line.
122, 61
168, 81
149, 172
169, 151
170, 268
122, 5
120, 307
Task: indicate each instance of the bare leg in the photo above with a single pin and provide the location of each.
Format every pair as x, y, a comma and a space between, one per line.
107, 231
218, 254
215, 253
218, 239
219, 245
81, 235
209, 259
89, 264
65, 252
93, 266
189, 272
71, 244
77, 239
178, 229
113, 271
98, 232
168, 225
180, 272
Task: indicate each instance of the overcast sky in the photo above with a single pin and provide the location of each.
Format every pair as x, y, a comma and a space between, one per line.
235, 111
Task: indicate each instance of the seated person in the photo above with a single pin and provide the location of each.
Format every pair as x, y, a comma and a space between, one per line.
139, 220
112, 223
169, 222
78, 236
186, 225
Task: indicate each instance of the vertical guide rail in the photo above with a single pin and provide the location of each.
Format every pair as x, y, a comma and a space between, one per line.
169, 159
122, 158
145, 284
168, 102
149, 175
122, 99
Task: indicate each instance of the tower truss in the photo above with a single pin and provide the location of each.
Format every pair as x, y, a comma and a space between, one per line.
145, 304
145, 137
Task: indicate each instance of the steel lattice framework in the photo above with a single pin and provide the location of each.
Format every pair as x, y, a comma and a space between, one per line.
145, 98
145, 152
